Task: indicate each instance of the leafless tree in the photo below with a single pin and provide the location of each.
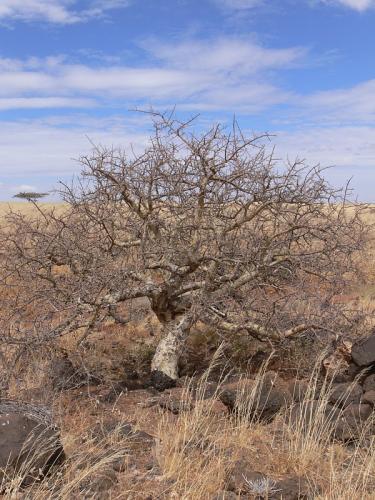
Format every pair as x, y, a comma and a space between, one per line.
210, 227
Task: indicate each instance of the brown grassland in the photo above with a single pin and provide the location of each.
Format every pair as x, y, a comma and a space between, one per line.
194, 450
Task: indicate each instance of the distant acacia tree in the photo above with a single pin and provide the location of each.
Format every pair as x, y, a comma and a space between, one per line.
30, 196
209, 227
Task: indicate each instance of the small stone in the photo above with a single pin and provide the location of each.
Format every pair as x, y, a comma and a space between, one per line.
293, 488
205, 391
263, 401
119, 465
345, 394
99, 482
299, 390
369, 398
160, 381
64, 375
304, 416
225, 495
369, 383
241, 476
363, 352
350, 426
176, 405
359, 411
121, 429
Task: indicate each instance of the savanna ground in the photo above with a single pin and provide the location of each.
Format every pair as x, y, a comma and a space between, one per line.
187, 453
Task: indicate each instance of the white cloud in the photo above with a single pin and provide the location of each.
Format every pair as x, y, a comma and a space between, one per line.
359, 5
243, 5
36, 153
55, 11
10, 64
349, 150
354, 104
239, 4
242, 97
43, 103
225, 54
226, 73
23, 188
345, 146
38, 147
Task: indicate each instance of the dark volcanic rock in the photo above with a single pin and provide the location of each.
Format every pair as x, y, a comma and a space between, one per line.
175, 406
292, 488
122, 430
345, 394
205, 390
160, 381
244, 481
98, 485
369, 383
348, 374
344, 425
305, 416
27, 444
300, 389
64, 375
241, 476
360, 412
369, 398
259, 401
363, 352
351, 425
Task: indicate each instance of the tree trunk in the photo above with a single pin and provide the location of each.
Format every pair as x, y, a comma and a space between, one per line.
164, 366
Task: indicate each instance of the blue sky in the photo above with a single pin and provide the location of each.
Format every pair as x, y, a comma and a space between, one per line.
71, 71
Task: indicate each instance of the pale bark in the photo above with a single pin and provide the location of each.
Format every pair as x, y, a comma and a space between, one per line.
168, 352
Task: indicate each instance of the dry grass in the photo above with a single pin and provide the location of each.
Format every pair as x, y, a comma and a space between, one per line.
199, 449
24, 207
196, 449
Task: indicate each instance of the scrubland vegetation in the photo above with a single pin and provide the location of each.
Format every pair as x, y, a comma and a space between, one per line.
186, 318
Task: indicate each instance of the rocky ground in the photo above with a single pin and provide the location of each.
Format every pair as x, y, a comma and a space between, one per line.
257, 436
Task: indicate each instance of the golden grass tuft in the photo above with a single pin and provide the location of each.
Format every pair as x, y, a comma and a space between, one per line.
197, 449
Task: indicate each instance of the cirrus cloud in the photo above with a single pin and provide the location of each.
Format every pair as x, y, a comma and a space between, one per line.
56, 11
225, 73
358, 5
238, 4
